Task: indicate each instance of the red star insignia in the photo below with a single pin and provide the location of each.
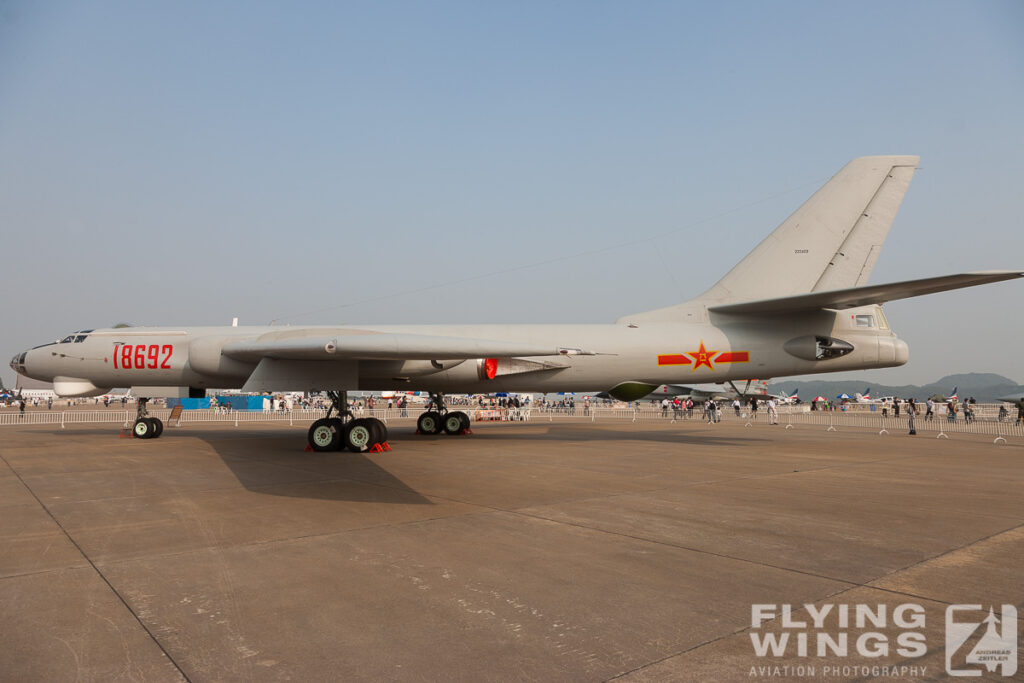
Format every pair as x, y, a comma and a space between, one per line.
702, 357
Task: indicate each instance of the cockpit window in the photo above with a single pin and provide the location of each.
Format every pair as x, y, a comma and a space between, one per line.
864, 320
75, 337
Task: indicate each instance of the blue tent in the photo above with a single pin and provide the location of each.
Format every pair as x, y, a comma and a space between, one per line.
846, 396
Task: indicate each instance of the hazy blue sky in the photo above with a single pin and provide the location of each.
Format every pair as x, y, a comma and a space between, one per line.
188, 162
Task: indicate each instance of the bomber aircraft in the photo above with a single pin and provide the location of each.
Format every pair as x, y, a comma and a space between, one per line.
819, 316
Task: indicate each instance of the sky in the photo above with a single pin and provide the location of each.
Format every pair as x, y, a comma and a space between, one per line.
401, 162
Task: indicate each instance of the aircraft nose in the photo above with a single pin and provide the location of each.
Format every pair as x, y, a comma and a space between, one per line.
18, 362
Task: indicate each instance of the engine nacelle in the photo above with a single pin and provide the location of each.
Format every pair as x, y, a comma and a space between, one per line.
404, 370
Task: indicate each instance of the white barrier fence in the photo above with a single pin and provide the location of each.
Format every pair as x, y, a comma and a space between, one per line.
793, 416
985, 424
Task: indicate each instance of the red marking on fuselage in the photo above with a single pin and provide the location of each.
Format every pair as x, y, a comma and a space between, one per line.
733, 357
673, 359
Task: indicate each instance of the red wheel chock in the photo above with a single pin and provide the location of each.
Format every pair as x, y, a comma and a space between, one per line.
380, 447
307, 449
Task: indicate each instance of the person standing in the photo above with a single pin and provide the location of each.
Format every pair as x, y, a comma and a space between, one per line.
911, 412
929, 413
773, 413
736, 406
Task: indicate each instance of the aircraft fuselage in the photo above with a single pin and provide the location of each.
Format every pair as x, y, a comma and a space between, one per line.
587, 358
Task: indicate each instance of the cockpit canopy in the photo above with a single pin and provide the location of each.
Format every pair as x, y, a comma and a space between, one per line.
75, 337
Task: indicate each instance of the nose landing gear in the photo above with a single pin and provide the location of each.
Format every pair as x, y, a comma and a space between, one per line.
146, 427
344, 430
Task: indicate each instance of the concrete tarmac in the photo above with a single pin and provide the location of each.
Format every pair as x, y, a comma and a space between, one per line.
539, 551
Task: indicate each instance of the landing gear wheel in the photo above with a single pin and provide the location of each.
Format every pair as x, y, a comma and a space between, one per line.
455, 423
324, 435
429, 422
380, 431
159, 425
360, 435
143, 428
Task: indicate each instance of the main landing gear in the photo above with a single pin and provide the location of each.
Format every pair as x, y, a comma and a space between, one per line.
344, 430
438, 419
146, 427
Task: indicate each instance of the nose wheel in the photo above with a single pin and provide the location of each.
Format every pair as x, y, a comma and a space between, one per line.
146, 427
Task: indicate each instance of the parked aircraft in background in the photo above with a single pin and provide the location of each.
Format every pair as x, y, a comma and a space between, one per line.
791, 398
865, 397
799, 303
939, 398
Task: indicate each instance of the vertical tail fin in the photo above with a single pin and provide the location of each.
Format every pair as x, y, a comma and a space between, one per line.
831, 242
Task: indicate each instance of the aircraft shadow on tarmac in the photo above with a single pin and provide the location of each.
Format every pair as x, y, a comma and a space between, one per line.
278, 466
275, 464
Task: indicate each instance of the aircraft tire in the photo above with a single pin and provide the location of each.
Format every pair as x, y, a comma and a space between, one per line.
340, 428
453, 423
142, 429
359, 435
380, 430
158, 425
324, 435
429, 422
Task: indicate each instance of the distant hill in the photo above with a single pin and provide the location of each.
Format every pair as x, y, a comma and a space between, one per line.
984, 386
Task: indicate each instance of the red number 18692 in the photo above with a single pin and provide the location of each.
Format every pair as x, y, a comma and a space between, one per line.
142, 357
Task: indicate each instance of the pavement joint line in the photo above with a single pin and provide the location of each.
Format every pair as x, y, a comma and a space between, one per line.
99, 573
841, 591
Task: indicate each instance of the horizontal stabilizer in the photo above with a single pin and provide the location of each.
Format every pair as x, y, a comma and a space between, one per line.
381, 347
865, 296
